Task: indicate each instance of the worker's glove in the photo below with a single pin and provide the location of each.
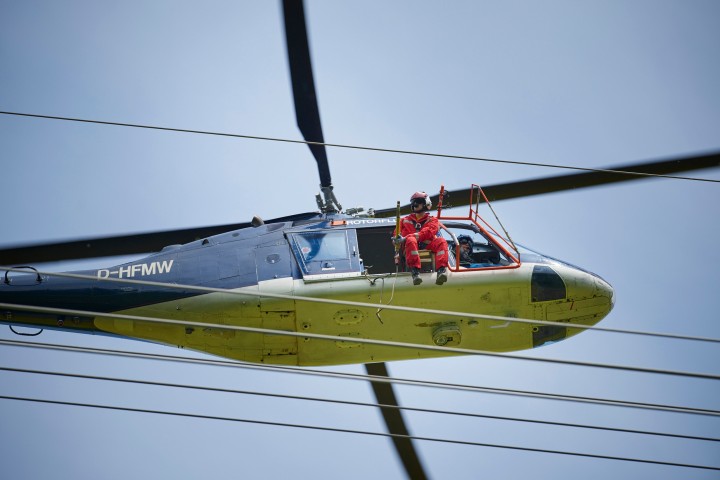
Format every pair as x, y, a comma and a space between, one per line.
399, 240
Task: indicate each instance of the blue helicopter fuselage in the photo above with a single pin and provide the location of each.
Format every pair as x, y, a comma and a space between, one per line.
252, 277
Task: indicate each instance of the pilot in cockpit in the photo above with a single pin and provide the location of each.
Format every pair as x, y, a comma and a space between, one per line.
477, 254
466, 249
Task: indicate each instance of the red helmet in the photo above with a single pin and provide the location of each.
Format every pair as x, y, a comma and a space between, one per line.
421, 198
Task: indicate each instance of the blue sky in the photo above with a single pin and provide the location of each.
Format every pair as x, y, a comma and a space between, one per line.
589, 84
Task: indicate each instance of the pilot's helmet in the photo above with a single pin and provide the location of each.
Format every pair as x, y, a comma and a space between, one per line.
421, 198
465, 240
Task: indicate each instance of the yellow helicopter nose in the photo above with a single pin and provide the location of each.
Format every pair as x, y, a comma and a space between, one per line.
605, 290
589, 298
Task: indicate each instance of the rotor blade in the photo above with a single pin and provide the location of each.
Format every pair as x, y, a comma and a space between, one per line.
154, 241
120, 245
395, 424
306, 105
539, 186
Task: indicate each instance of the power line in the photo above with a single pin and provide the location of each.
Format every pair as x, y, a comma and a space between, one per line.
355, 147
197, 288
352, 403
357, 432
365, 378
368, 341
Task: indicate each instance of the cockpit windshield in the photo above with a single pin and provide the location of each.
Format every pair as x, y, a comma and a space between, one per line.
531, 256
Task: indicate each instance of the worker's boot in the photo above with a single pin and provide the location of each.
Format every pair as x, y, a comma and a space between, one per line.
416, 276
441, 276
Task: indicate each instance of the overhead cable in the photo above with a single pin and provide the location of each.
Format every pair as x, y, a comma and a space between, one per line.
352, 403
356, 147
358, 432
337, 338
365, 378
374, 306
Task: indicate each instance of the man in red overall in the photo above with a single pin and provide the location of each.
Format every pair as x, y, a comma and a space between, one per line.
419, 230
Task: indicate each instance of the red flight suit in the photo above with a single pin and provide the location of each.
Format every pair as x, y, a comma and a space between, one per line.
427, 227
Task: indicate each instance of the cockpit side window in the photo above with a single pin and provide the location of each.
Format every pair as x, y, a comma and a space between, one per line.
319, 246
322, 253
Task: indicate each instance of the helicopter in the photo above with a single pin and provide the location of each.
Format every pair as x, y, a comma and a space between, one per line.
321, 222
325, 255
332, 254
